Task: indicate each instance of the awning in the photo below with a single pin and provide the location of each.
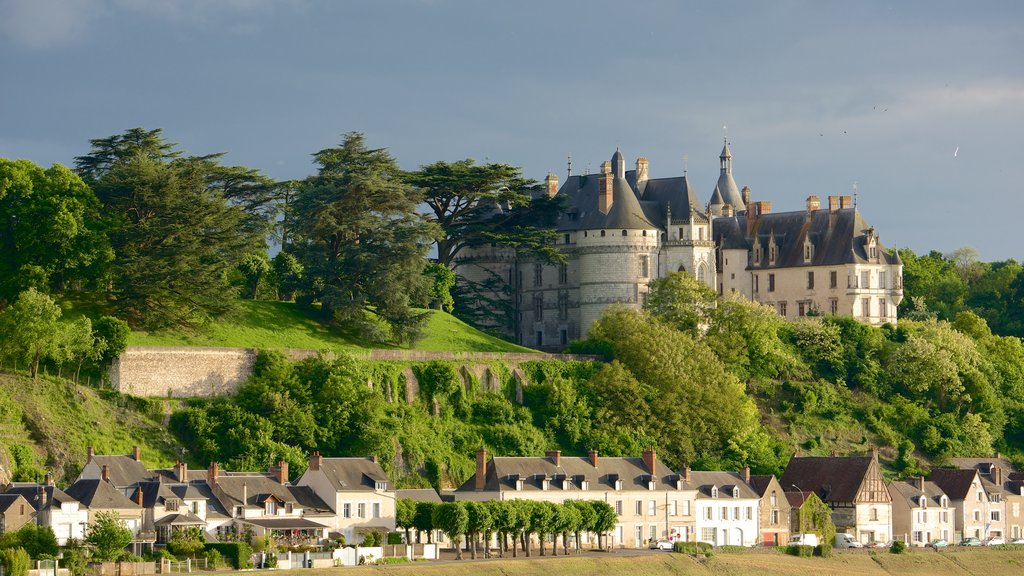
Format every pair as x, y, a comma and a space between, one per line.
285, 523
180, 520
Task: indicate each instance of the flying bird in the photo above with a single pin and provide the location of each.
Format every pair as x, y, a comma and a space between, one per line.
956, 151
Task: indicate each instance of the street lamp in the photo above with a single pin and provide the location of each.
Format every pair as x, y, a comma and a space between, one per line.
799, 511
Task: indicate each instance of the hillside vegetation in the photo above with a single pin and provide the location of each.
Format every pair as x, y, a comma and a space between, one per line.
47, 424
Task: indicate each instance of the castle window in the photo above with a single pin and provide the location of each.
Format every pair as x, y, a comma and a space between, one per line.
810, 280
680, 237
881, 279
540, 338
563, 274
567, 238
623, 232
645, 266
801, 309
771, 254
807, 252
644, 233
771, 282
757, 254
833, 305
702, 273
756, 283
563, 305
564, 333
883, 311
602, 233
782, 309
865, 279
700, 231
865, 307
538, 270
833, 279
538, 307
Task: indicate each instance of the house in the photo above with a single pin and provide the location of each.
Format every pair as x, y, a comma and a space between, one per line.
356, 490
15, 512
100, 495
773, 521
650, 500
921, 512
727, 507
54, 508
621, 229
979, 509
851, 486
123, 471
1001, 474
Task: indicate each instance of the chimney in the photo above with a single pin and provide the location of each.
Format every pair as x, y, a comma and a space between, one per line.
920, 483
212, 473
555, 455
282, 472
833, 203
873, 452
727, 210
845, 202
374, 459
137, 454
138, 496
48, 479
834, 454
746, 474
481, 469
315, 460
552, 185
651, 461
181, 471
89, 453
641, 172
44, 497
105, 474
686, 472
245, 493
593, 458
604, 188
745, 195
813, 203
997, 476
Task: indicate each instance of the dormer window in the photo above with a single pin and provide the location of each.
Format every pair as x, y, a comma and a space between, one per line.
944, 502
714, 491
584, 485
735, 492
651, 483
271, 508
519, 483
771, 253
808, 251
380, 486
757, 253
545, 483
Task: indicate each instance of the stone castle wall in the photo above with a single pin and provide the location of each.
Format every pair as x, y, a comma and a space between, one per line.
181, 372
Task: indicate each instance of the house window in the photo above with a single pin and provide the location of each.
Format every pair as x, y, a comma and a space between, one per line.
346, 510
639, 508
995, 515
376, 509
865, 279
865, 307
538, 270
771, 282
775, 499
714, 491
238, 511
563, 305
709, 513
563, 274
782, 309
644, 266
271, 508
686, 508
540, 338
171, 505
883, 310
361, 510
287, 508
538, 307
810, 280
775, 518
977, 515
801, 308
653, 531
602, 233
673, 509
724, 513
567, 237
756, 283
874, 515
918, 536
757, 255
639, 534
980, 496
833, 279
881, 279
771, 253
702, 274
618, 507
707, 535
833, 305
750, 513
807, 252
652, 508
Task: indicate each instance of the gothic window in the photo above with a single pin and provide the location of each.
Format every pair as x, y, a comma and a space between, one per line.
563, 305
563, 273
623, 232
702, 273
771, 282
538, 270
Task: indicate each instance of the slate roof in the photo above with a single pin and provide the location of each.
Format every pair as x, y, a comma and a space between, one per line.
181, 519
983, 465
724, 481
420, 495
30, 491
675, 193
954, 482
8, 499
254, 487
909, 491
309, 501
123, 470
835, 479
761, 482
348, 474
97, 494
838, 237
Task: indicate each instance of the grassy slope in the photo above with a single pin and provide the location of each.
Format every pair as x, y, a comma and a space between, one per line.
58, 420
955, 563
274, 325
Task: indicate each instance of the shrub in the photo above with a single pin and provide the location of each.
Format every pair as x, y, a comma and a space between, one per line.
237, 554
693, 548
129, 557
732, 549
824, 550
15, 561
800, 550
394, 537
898, 547
373, 538
396, 560
214, 559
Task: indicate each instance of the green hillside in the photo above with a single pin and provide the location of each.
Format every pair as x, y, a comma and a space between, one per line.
46, 425
277, 325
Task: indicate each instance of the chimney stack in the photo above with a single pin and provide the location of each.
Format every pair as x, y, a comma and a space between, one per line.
920, 483
833, 203
745, 195
481, 469
845, 202
138, 496
137, 454
212, 473
605, 185
245, 493
813, 203
315, 460
686, 473
873, 453
181, 471
651, 461
641, 172
555, 455
48, 479
552, 185
997, 476
89, 453
593, 458
746, 474
281, 472
44, 497
105, 474
834, 454
374, 459
727, 210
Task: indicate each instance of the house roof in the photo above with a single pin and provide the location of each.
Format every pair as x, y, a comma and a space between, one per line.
420, 495
761, 482
31, 490
123, 470
955, 482
674, 193
911, 492
185, 519
98, 494
252, 488
983, 465
308, 499
835, 479
352, 474
8, 499
284, 523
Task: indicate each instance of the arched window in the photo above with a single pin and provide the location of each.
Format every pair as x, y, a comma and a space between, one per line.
714, 491
623, 232
702, 273
602, 233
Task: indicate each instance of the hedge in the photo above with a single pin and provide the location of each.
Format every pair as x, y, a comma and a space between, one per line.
15, 561
238, 554
801, 551
692, 548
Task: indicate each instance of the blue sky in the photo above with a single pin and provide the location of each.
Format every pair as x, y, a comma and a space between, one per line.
814, 95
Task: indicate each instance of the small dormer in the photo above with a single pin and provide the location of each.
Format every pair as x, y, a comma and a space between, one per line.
380, 485
808, 250
615, 481
872, 244
735, 491
679, 482
583, 483
652, 482
944, 501
516, 481
772, 250
545, 483
714, 491
922, 501
757, 252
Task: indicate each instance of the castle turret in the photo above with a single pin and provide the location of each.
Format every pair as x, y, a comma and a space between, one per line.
726, 186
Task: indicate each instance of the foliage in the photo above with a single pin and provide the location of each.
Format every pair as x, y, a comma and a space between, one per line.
442, 281
693, 548
237, 554
30, 329
898, 547
373, 538
108, 536
15, 561
187, 542
36, 540
361, 241
681, 301
816, 518
452, 519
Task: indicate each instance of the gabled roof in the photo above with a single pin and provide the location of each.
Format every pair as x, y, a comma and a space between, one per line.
674, 193
835, 479
309, 501
10, 499
420, 495
984, 465
761, 482
704, 481
100, 495
503, 471
252, 488
123, 470
31, 492
911, 492
956, 483
352, 474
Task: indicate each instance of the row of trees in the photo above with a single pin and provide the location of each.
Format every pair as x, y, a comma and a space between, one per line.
515, 520
168, 238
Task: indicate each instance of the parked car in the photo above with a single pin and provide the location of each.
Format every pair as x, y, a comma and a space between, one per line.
660, 545
1017, 541
803, 540
940, 543
879, 544
995, 541
844, 540
970, 542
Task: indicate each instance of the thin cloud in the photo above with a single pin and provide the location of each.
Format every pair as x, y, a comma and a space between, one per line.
46, 24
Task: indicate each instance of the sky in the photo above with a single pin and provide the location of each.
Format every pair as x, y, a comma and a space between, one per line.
919, 105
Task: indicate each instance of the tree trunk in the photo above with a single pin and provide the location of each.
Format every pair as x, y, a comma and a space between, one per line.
578, 542
408, 536
526, 543
540, 538
565, 543
473, 551
514, 546
458, 546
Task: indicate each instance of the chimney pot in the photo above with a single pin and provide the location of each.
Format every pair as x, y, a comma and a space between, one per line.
746, 474
481, 469
89, 453
604, 189
686, 472
282, 472
315, 460
593, 458
137, 454
833, 203
920, 483
374, 459
845, 202
873, 453
727, 210
105, 474
745, 195
813, 203
555, 455
212, 473
181, 471
48, 479
651, 461
138, 496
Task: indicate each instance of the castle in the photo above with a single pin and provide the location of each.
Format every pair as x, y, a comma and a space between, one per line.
621, 229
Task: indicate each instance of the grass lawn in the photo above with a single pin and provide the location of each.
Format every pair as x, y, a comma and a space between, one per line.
277, 325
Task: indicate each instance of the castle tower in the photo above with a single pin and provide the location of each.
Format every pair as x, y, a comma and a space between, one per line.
726, 186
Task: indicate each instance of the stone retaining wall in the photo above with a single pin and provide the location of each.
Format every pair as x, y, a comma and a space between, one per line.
177, 372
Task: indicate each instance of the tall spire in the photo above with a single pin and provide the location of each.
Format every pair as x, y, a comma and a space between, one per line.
618, 164
726, 158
